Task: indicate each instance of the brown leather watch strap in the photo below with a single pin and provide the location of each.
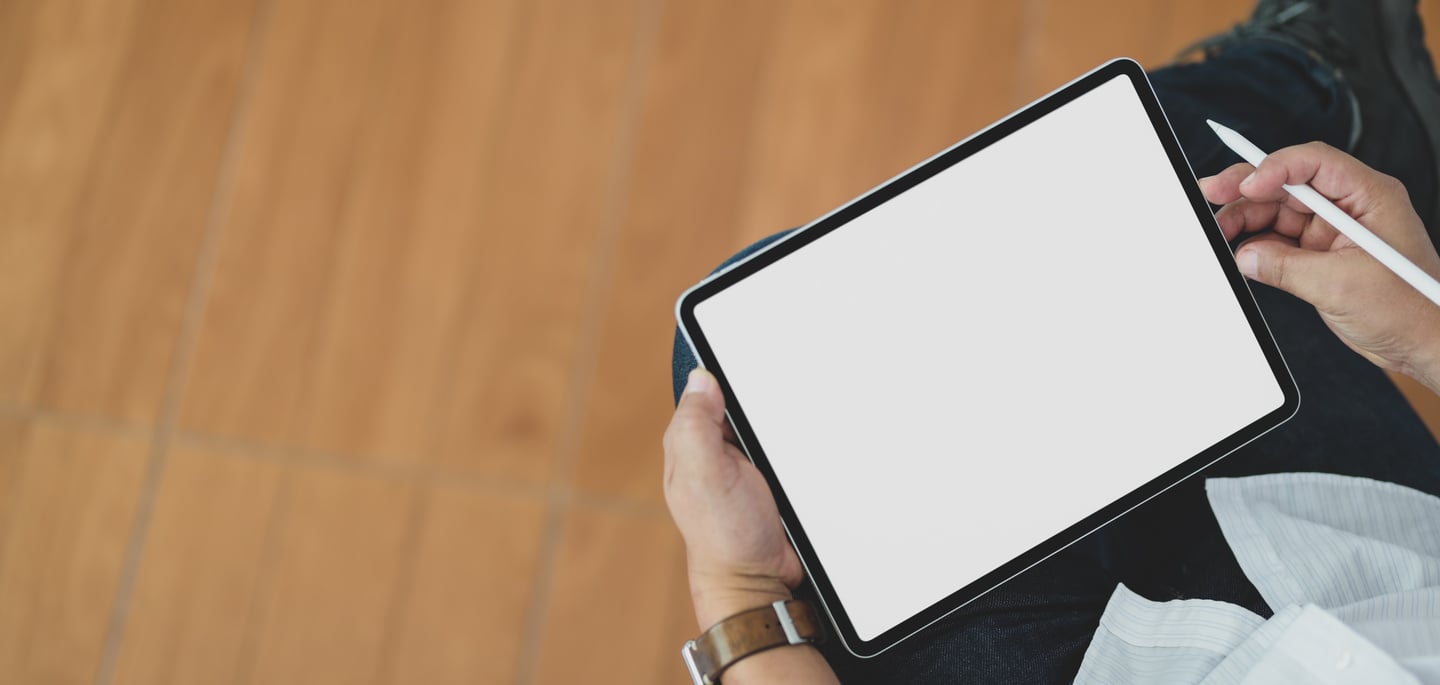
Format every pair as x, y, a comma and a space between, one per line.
790, 622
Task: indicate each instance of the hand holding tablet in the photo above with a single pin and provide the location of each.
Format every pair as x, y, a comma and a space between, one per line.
955, 377
725, 510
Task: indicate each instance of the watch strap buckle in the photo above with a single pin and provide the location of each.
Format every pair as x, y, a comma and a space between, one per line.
697, 663
781, 623
787, 623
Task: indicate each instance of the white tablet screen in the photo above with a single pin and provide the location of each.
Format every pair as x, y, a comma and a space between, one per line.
990, 357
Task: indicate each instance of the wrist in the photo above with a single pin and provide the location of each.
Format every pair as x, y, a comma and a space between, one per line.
718, 598
742, 652
1424, 364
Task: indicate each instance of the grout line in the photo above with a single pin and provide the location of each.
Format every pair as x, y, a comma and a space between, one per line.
78, 420
264, 572
608, 241
404, 585
390, 469
532, 627
387, 468
395, 470
185, 345
619, 505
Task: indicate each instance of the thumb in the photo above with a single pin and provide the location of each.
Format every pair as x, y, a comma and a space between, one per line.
695, 444
702, 396
1300, 272
699, 420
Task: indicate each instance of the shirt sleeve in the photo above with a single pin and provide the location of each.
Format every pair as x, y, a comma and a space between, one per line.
1366, 551
1180, 641
1333, 541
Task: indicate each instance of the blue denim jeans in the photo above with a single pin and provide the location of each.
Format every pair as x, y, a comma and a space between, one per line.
1352, 421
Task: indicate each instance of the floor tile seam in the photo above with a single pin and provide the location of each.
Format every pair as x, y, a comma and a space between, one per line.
422, 475
250, 632
183, 352
390, 469
82, 421
609, 228
623, 506
403, 588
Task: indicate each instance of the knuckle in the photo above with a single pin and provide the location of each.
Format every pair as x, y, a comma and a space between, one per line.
1394, 187
1281, 270
1313, 152
1238, 171
1274, 272
1381, 186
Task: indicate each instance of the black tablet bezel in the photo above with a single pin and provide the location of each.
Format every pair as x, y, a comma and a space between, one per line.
685, 311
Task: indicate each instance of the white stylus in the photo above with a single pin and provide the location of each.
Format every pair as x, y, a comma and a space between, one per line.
1344, 223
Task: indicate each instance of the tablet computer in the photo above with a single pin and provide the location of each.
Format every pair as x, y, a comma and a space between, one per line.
963, 371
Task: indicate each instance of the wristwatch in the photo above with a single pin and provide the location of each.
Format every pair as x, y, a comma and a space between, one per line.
786, 622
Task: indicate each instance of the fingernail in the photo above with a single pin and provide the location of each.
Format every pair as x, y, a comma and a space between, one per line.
700, 381
1249, 263
1248, 180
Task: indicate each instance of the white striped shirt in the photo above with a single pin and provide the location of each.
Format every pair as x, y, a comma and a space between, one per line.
1350, 566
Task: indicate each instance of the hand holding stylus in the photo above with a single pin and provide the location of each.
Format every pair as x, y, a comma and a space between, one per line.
1407, 270
1371, 308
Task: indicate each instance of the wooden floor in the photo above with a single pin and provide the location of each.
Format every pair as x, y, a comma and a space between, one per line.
335, 332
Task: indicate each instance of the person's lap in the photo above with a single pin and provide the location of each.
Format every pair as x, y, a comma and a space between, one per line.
1352, 421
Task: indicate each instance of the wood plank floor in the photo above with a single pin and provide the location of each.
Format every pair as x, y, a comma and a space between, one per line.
336, 332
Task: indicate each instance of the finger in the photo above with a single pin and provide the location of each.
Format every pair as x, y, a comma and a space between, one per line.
1224, 187
1316, 233
1246, 216
1277, 261
1341, 178
699, 424
1276, 237
703, 392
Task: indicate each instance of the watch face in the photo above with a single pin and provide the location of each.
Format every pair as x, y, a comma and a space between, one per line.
690, 655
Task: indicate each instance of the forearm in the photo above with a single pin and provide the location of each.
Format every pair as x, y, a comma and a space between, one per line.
793, 664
